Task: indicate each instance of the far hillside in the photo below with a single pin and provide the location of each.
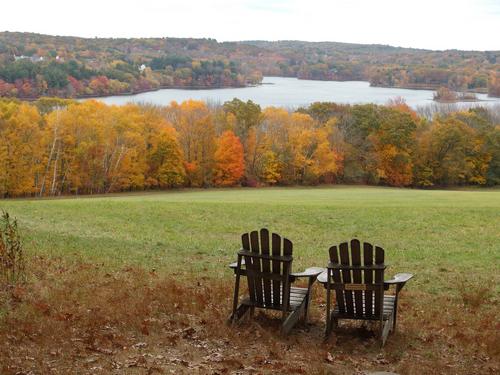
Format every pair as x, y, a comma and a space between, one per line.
34, 65
384, 65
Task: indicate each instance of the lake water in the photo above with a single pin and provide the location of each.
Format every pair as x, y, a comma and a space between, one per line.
292, 93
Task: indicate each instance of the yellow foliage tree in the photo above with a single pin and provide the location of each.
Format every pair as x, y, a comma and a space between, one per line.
194, 123
20, 150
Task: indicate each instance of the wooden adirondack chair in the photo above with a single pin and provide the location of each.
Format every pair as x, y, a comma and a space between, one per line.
358, 281
267, 264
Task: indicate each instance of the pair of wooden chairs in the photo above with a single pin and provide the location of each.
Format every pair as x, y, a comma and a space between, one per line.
355, 272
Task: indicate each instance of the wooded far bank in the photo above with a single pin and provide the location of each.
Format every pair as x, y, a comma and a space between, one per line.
35, 65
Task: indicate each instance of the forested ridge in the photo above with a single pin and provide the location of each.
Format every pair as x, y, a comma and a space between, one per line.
54, 146
383, 65
34, 65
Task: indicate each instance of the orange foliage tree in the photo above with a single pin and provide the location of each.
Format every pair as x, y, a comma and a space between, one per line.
229, 160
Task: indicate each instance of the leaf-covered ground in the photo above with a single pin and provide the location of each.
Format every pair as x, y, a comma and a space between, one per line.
84, 319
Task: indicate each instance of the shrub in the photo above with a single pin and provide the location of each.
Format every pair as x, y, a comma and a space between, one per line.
12, 263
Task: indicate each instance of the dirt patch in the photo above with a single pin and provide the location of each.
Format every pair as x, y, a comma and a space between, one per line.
83, 319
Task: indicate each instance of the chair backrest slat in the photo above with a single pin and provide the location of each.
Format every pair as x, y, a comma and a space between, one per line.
356, 275
368, 277
276, 251
245, 242
346, 276
360, 289
334, 258
379, 278
257, 267
268, 265
287, 270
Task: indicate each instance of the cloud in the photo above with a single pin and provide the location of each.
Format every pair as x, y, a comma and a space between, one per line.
492, 7
274, 6
432, 24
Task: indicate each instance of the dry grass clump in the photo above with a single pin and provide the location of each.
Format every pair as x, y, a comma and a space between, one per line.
82, 318
474, 294
12, 265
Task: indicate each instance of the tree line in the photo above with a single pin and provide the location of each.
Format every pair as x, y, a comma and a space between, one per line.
54, 146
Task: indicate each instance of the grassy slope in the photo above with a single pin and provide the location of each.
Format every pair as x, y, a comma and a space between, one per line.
444, 237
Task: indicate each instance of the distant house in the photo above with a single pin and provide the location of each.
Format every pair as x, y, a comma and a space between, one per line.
20, 57
34, 58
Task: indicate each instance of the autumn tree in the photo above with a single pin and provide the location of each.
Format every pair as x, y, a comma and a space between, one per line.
355, 129
276, 145
245, 120
164, 159
494, 84
229, 160
93, 148
450, 153
313, 157
194, 124
20, 152
324, 111
247, 115
393, 145
492, 145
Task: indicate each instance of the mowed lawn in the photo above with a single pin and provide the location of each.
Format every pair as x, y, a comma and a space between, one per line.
447, 238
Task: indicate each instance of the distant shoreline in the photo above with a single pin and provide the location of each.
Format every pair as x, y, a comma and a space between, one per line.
459, 101
188, 88
131, 93
427, 87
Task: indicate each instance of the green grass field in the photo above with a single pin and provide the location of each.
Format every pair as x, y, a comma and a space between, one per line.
445, 237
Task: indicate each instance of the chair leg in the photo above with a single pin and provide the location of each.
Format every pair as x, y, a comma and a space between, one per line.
386, 329
235, 297
393, 321
335, 324
290, 321
306, 307
332, 324
292, 318
328, 325
395, 314
239, 312
308, 298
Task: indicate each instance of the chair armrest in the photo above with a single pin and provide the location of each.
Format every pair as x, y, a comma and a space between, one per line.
235, 264
323, 277
309, 272
399, 280
234, 267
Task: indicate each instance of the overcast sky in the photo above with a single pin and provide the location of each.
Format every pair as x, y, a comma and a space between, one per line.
433, 24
